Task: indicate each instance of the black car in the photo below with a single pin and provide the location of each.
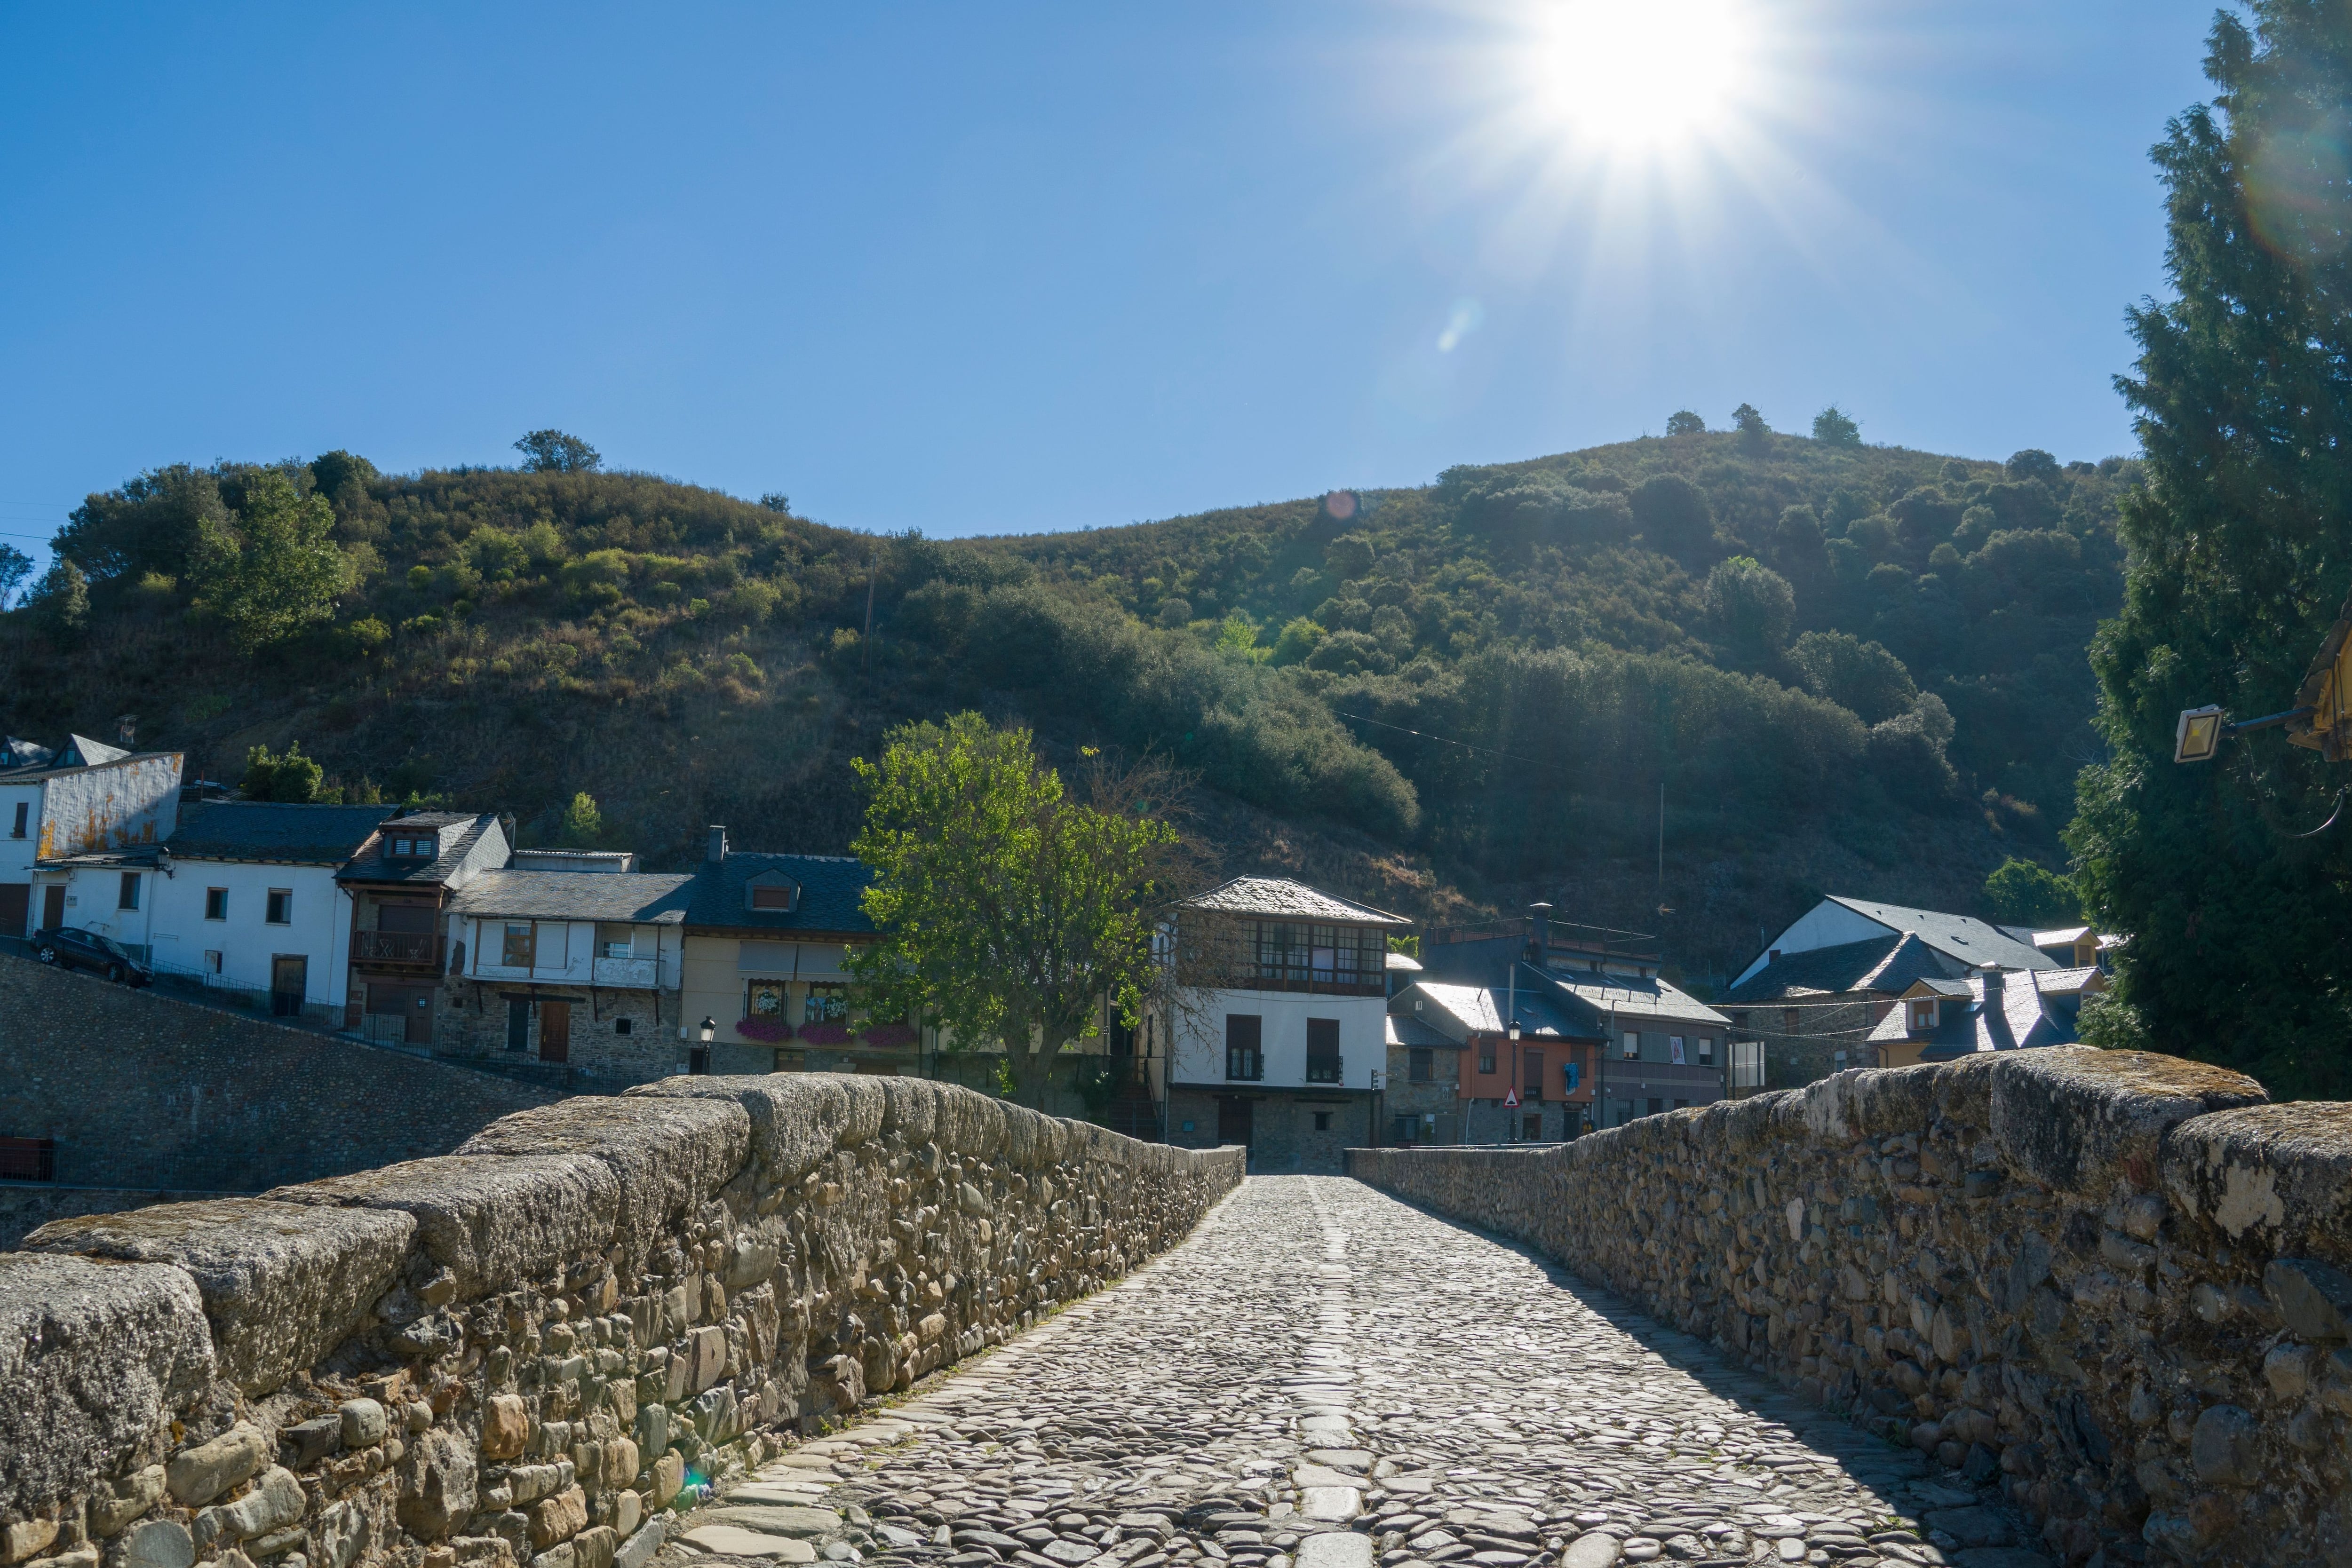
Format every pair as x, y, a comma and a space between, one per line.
71, 948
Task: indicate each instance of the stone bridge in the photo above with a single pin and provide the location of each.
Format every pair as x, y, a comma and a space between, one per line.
2061, 1306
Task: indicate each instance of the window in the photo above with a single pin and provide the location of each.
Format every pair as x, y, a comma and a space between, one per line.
1682, 1104
1322, 1121
24, 809
519, 947
1839, 1059
1420, 1065
1788, 1020
1674, 1051
1244, 1061
621, 1026
1656, 1107
212, 962
1632, 1046
406, 848
779, 896
216, 904
1922, 1014
764, 1000
128, 897
1531, 1129
406, 919
1307, 957
1403, 1127
281, 906
616, 941
1485, 1056
828, 1002
1533, 1076
1323, 1051
1706, 1050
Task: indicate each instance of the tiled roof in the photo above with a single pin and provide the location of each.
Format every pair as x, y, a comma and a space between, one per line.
373, 866
657, 898
268, 831
1884, 964
1628, 995
1480, 1009
2024, 1015
831, 889
1281, 898
1403, 1028
1961, 936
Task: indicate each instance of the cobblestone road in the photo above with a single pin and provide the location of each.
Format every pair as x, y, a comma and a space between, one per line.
1323, 1377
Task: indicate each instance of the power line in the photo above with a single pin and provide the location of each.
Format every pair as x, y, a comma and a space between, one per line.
1442, 739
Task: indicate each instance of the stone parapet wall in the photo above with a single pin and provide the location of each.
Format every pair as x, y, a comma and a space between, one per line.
522, 1352
2112, 1282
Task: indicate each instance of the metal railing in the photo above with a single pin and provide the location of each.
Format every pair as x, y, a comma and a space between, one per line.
1325, 1069
1244, 1066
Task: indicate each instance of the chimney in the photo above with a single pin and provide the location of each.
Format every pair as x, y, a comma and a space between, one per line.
718, 851
1773, 957
1992, 984
1541, 919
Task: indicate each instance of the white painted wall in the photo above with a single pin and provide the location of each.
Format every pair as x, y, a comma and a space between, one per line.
564, 951
1827, 925
17, 854
93, 900
1200, 1054
319, 930
110, 805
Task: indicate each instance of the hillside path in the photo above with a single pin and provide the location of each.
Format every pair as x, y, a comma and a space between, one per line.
1324, 1377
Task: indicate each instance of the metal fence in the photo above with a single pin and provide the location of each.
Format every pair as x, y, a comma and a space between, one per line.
221, 991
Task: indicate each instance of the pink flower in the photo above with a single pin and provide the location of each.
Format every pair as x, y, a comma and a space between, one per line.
771, 1030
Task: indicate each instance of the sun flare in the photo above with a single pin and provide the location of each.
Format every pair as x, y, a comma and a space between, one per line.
1650, 74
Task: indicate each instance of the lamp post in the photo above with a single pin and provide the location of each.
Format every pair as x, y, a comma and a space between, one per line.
697, 1061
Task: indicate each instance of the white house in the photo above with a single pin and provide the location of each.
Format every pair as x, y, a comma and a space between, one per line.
89, 798
1279, 1027
1969, 946
246, 896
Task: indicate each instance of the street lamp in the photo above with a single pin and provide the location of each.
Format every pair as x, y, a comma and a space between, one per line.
709, 1030
697, 1061
2321, 719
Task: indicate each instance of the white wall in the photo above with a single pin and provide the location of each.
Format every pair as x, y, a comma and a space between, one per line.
1200, 1054
563, 950
1827, 925
17, 854
93, 895
111, 806
319, 929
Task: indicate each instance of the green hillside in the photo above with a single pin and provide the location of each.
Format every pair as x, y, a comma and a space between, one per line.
1850, 666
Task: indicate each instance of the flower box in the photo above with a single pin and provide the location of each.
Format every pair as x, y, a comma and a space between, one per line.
768, 1031
824, 1034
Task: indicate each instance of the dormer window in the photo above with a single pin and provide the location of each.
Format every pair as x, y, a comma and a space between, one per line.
772, 893
1923, 1015
405, 847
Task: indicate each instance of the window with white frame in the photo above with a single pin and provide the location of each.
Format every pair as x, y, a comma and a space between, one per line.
281, 911
1633, 1045
516, 951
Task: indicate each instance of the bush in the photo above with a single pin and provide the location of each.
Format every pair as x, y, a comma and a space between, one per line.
1834, 427
1752, 606
292, 779
2021, 893
1674, 515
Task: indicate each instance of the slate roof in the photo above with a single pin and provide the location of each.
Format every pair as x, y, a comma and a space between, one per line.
649, 898
267, 831
1480, 1009
1961, 936
1821, 971
831, 887
373, 865
1282, 898
1630, 997
2028, 1013
1405, 1030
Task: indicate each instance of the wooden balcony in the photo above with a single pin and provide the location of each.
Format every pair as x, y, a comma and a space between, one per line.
412, 951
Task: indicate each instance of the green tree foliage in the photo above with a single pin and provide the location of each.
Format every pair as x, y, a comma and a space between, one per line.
1835, 427
272, 568
1008, 911
151, 524
1752, 606
2022, 892
583, 827
1674, 516
293, 778
60, 603
1862, 677
2242, 552
1750, 425
15, 566
553, 452
1683, 422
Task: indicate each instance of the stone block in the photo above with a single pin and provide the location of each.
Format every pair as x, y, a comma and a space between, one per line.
669, 1155
282, 1284
436, 1484
490, 1219
363, 1423
96, 1361
2075, 1118
275, 1502
198, 1474
558, 1518
2314, 1300
157, 1543
2280, 1174
506, 1426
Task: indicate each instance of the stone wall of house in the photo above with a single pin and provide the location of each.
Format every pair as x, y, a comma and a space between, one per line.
139, 1089
522, 1352
2111, 1281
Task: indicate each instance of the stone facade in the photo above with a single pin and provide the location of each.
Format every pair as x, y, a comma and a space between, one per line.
1287, 1130
139, 1089
2110, 1280
523, 1351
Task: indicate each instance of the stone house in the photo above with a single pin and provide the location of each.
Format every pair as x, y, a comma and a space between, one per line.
1278, 1026
401, 884
87, 800
2001, 1009
248, 900
1522, 1070
1817, 992
1421, 1101
1634, 1043
572, 958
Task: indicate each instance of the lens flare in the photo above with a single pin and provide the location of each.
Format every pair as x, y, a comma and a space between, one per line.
1651, 74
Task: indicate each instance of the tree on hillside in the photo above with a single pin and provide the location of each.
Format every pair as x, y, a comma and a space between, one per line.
553, 452
1752, 606
1683, 422
583, 827
1833, 426
1008, 911
1674, 516
2240, 553
15, 566
61, 602
1860, 677
272, 568
2023, 893
151, 524
291, 779
1751, 426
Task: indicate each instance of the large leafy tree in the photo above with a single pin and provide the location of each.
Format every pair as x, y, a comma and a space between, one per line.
273, 567
1008, 911
2241, 548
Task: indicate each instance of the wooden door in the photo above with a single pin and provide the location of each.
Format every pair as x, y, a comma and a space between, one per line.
289, 979
420, 1015
554, 1031
518, 1023
1235, 1120
53, 906
15, 903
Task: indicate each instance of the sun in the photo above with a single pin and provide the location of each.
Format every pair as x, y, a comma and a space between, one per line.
1630, 74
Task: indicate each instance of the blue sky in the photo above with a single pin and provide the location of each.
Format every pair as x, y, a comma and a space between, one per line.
1031, 266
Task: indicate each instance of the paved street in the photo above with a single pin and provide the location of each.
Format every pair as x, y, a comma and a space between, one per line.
1323, 1377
